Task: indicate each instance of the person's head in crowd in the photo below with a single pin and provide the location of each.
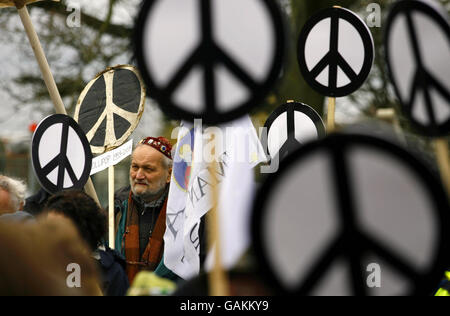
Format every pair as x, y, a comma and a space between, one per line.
12, 195
85, 213
35, 203
91, 222
151, 168
42, 258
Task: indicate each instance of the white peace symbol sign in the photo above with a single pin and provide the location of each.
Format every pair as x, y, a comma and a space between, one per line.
222, 63
346, 201
110, 107
61, 155
335, 52
290, 126
418, 53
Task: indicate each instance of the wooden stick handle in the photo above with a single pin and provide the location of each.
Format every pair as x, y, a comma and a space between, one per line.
389, 115
111, 207
48, 77
218, 279
386, 114
42, 61
331, 114
90, 190
441, 149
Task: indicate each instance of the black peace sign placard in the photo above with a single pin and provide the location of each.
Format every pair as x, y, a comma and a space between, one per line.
210, 59
290, 126
110, 107
343, 205
335, 52
417, 45
60, 153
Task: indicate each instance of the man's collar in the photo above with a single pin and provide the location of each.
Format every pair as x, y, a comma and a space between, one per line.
156, 203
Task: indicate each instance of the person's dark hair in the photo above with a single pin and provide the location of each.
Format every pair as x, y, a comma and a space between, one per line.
88, 217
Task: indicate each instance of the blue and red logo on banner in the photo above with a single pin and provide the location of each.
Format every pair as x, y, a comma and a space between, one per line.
183, 160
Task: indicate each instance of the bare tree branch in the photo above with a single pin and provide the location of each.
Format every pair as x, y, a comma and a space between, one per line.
115, 30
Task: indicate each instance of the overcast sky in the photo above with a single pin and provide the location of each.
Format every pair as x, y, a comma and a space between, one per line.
14, 122
11, 62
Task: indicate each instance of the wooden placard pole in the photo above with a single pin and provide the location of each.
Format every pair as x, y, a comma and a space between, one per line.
42, 60
90, 190
218, 278
388, 115
441, 150
47, 76
111, 207
331, 114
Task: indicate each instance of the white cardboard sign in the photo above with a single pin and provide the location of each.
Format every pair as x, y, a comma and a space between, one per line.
111, 158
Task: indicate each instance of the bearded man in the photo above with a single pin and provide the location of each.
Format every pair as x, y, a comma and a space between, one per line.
140, 208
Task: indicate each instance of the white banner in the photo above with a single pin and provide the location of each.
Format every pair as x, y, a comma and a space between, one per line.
112, 157
239, 150
176, 205
237, 191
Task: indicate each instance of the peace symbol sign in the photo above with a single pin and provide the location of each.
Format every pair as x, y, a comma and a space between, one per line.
61, 155
337, 206
335, 52
223, 62
110, 107
418, 52
290, 126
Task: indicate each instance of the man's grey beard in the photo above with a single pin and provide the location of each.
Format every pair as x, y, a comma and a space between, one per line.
148, 195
